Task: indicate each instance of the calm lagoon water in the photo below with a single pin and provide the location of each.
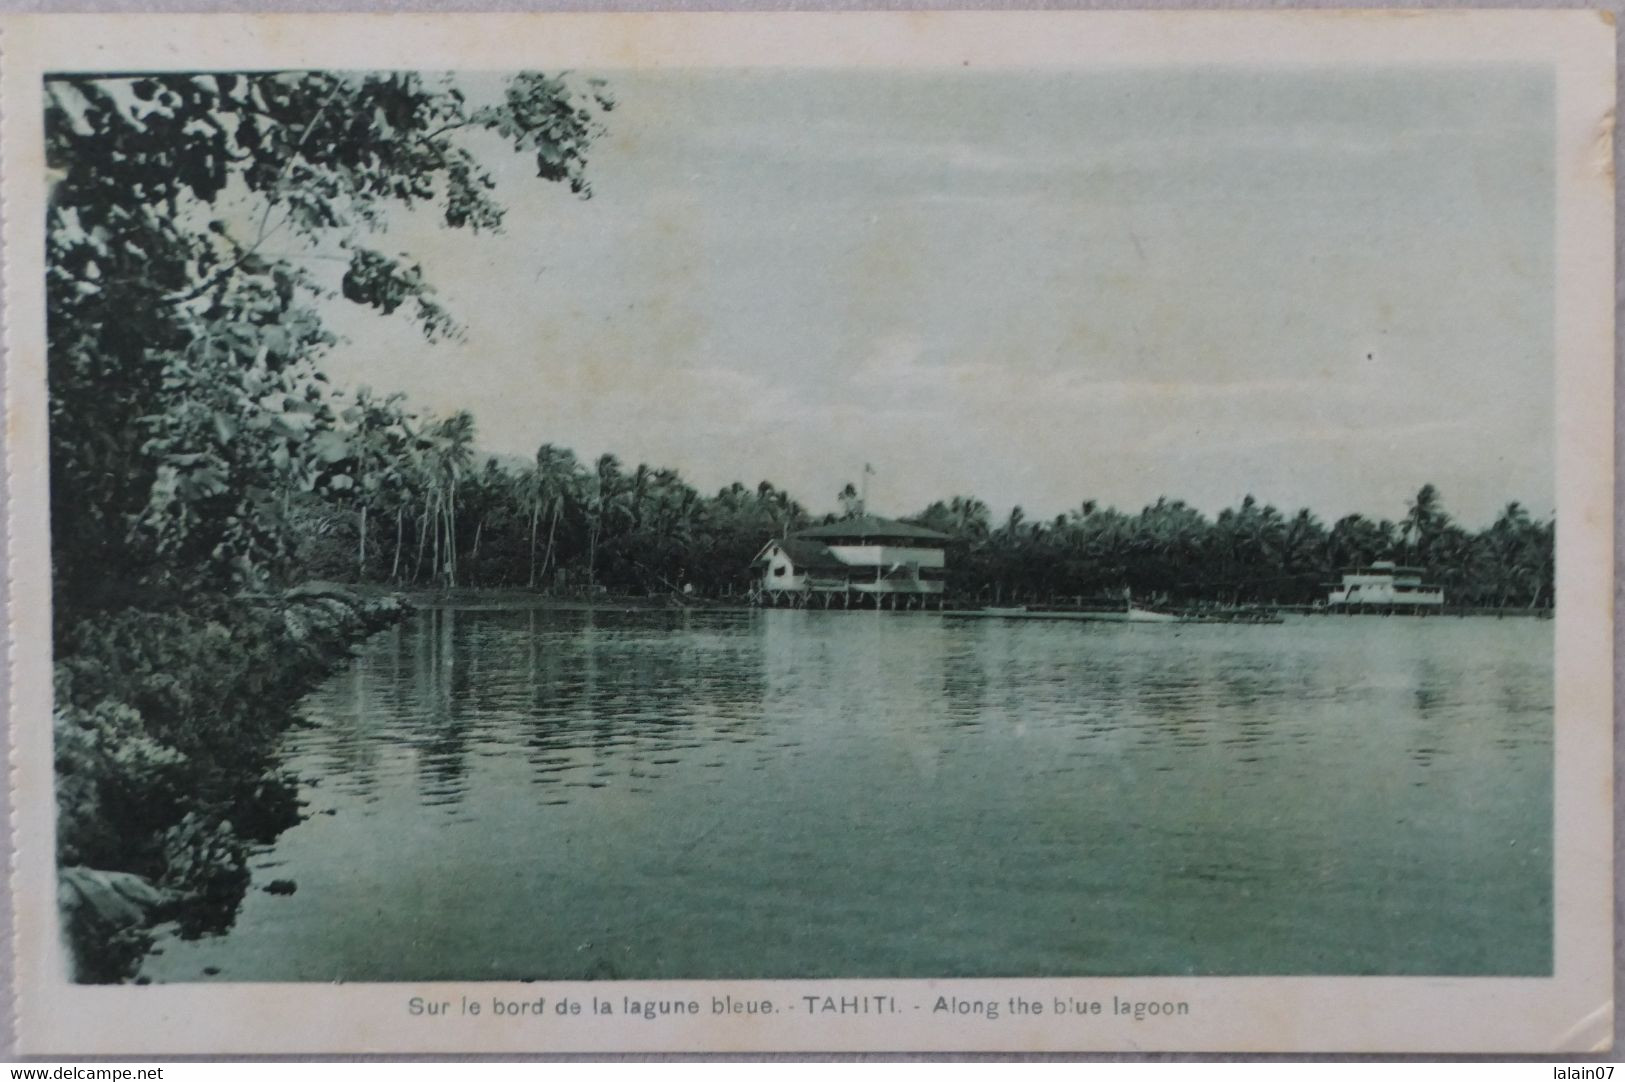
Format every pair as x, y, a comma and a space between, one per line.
527, 793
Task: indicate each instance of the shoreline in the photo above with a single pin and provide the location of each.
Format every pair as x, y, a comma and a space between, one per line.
166, 730
519, 597
495, 598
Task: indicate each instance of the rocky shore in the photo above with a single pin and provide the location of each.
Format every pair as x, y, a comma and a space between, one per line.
166, 725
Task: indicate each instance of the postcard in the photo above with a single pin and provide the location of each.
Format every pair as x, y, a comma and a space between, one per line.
1067, 531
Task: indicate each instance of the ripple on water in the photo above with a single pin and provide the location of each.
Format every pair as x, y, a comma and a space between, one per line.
784, 794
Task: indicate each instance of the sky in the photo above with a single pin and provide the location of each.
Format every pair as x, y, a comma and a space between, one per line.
1320, 287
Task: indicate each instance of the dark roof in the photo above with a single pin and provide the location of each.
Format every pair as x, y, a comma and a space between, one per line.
870, 526
808, 555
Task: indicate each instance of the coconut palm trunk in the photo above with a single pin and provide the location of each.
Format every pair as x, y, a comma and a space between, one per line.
552, 531
449, 568
535, 516
592, 553
430, 519
395, 566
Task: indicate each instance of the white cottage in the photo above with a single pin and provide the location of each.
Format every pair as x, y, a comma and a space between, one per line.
860, 562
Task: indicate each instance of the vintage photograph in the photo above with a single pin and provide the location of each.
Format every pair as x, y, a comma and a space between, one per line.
655, 522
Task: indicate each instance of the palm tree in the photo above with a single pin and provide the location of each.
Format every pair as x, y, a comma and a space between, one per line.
1355, 540
780, 511
531, 500
667, 532
558, 479
408, 473
1008, 547
445, 453
637, 495
1540, 565
1516, 554
375, 443
1425, 516
1168, 538
606, 500
488, 492
1303, 553
971, 518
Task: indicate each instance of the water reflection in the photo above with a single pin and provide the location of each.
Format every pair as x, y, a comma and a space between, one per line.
786, 793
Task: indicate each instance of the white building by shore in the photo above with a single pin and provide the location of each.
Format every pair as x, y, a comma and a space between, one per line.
1385, 586
860, 562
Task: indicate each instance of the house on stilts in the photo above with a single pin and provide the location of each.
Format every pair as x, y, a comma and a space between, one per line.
1384, 587
860, 562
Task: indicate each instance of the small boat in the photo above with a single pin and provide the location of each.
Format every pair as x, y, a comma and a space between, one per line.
1136, 615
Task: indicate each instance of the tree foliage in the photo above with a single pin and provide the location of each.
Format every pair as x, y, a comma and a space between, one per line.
187, 212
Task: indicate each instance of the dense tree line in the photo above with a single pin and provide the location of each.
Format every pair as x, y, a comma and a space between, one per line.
415, 505
423, 509
1251, 554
